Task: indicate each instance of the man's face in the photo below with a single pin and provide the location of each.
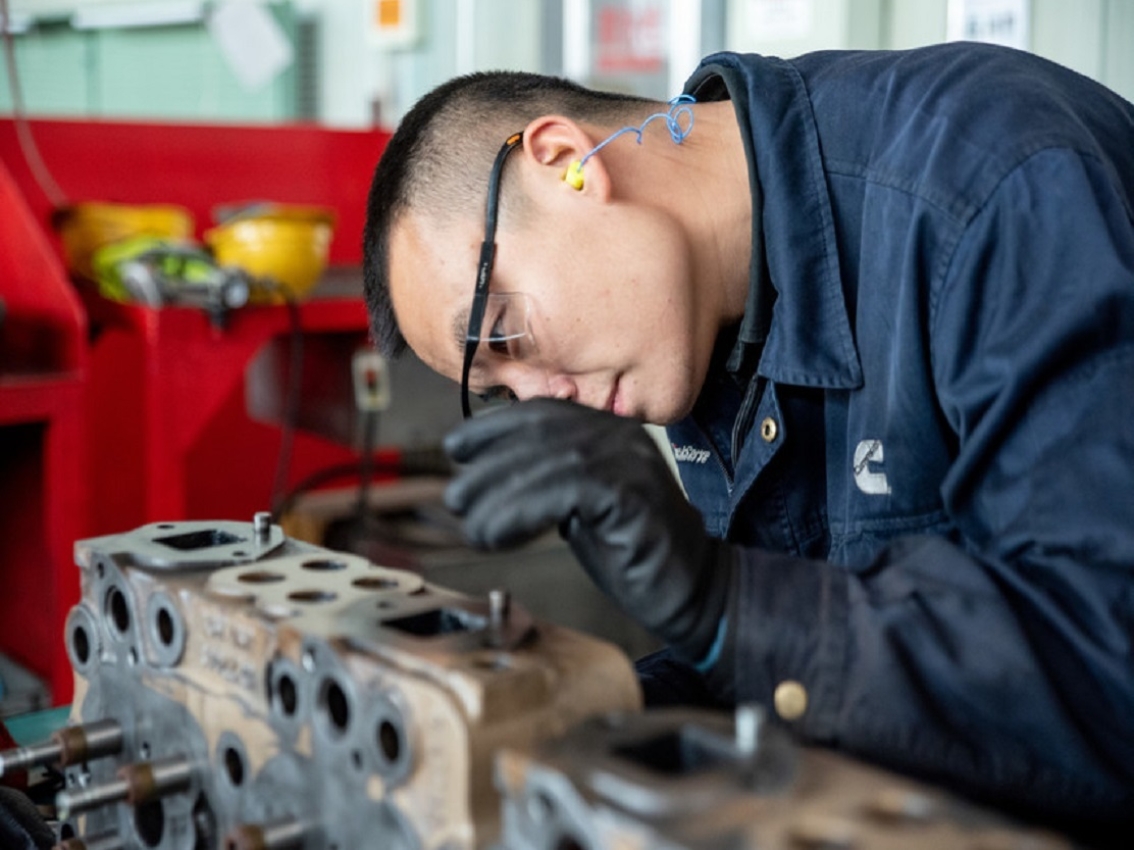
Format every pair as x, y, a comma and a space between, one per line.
612, 312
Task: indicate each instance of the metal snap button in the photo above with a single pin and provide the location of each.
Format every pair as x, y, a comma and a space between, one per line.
790, 699
769, 430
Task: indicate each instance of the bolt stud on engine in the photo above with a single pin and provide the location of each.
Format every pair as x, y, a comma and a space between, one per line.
71, 745
135, 783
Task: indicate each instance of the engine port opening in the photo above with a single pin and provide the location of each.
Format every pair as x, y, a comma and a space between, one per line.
674, 753
289, 695
81, 645
389, 741
333, 700
438, 621
234, 766
193, 540
118, 609
149, 821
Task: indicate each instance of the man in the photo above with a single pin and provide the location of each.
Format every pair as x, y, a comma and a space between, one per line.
884, 302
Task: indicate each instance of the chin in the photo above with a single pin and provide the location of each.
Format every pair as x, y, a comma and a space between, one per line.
666, 402
668, 411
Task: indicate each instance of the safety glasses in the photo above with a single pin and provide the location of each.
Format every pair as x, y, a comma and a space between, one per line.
479, 320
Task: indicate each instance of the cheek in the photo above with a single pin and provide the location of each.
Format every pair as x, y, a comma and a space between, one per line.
622, 291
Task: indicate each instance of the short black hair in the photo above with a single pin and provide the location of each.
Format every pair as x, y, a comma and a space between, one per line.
440, 156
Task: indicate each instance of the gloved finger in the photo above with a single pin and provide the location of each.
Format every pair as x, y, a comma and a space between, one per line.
472, 437
579, 443
539, 419
21, 824
492, 469
532, 500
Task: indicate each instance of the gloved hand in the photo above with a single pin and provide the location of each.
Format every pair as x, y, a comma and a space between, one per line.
22, 827
603, 481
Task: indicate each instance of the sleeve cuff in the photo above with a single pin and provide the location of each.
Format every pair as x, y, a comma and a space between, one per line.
709, 661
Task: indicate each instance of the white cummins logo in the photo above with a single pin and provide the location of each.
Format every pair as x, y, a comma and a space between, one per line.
872, 483
690, 454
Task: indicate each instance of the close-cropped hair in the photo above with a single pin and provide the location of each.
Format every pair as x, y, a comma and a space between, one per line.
438, 162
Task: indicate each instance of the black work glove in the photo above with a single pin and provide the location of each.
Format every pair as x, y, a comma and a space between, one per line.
603, 481
22, 827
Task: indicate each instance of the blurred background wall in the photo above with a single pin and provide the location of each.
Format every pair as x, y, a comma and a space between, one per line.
360, 63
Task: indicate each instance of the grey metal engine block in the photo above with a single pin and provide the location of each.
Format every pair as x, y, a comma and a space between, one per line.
238, 689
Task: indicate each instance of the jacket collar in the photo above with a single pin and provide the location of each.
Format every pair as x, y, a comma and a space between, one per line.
795, 328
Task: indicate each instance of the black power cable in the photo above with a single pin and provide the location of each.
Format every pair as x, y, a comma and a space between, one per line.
28, 147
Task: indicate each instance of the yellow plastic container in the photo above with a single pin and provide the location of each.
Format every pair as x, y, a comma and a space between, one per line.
85, 227
279, 244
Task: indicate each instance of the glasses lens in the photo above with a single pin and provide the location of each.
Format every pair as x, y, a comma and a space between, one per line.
506, 330
506, 362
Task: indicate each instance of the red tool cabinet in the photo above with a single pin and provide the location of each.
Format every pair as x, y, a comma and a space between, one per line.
116, 415
169, 433
42, 488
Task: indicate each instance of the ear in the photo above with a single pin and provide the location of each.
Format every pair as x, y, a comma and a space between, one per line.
557, 144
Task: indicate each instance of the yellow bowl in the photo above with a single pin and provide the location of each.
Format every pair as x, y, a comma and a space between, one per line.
85, 227
282, 246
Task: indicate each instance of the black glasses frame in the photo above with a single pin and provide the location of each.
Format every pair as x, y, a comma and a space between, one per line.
484, 267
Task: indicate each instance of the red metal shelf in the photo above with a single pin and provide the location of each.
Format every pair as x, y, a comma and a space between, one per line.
42, 495
113, 415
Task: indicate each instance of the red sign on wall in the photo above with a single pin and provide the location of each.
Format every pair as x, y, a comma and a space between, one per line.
630, 37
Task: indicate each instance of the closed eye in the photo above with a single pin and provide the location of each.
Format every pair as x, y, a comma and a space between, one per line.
497, 341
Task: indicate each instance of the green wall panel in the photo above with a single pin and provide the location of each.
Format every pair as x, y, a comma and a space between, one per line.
54, 72
147, 73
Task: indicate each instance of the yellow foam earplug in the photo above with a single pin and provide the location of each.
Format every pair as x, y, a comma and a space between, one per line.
573, 176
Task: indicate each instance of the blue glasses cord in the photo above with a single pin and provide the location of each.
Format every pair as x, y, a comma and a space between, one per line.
678, 109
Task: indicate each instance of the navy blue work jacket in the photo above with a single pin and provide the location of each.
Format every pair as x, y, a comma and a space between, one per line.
922, 433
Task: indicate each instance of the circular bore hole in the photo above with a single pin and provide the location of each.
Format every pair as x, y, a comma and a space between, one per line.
289, 696
149, 821
81, 645
260, 577
166, 525
324, 565
100, 569
165, 627
239, 553
389, 741
335, 702
312, 596
374, 583
119, 610
356, 759
234, 766
384, 604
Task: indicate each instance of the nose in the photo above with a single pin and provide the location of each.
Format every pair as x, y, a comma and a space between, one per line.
536, 383
560, 386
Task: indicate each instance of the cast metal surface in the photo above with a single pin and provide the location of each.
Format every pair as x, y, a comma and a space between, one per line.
679, 779
237, 689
